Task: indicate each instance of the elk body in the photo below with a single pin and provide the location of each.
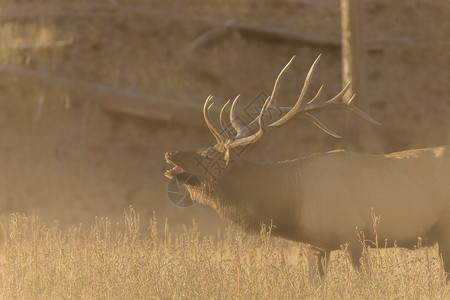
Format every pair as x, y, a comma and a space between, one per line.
320, 199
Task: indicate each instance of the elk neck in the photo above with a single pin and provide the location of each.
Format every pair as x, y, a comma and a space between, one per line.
250, 194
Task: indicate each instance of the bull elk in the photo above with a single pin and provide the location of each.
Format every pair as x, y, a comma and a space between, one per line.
319, 199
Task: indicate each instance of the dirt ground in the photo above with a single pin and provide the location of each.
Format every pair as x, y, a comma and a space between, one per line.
63, 156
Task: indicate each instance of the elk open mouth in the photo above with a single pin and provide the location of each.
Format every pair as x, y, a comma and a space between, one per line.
179, 174
173, 172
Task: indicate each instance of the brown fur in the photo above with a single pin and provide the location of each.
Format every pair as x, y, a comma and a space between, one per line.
320, 199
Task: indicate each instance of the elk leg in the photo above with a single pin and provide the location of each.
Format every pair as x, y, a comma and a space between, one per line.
355, 251
322, 262
444, 242
313, 258
444, 249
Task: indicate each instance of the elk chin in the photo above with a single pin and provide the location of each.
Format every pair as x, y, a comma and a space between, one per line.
188, 180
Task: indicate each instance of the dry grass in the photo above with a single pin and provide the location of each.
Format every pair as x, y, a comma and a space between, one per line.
125, 262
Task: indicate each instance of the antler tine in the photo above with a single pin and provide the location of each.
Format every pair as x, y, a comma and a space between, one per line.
363, 115
319, 92
349, 105
307, 81
339, 96
316, 96
233, 120
335, 103
225, 130
212, 127
320, 125
242, 131
273, 96
257, 135
297, 107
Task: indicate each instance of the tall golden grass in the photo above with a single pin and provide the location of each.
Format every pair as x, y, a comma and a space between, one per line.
133, 261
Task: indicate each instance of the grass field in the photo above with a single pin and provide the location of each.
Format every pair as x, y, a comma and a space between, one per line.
112, 261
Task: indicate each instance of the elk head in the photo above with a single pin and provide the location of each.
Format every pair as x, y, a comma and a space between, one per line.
210, 173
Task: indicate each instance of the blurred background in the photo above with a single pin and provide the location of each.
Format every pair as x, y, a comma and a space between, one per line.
93, 93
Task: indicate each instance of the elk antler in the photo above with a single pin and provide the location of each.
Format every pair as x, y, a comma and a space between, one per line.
248, 134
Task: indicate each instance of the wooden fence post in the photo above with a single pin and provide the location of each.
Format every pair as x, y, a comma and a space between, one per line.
358, 132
